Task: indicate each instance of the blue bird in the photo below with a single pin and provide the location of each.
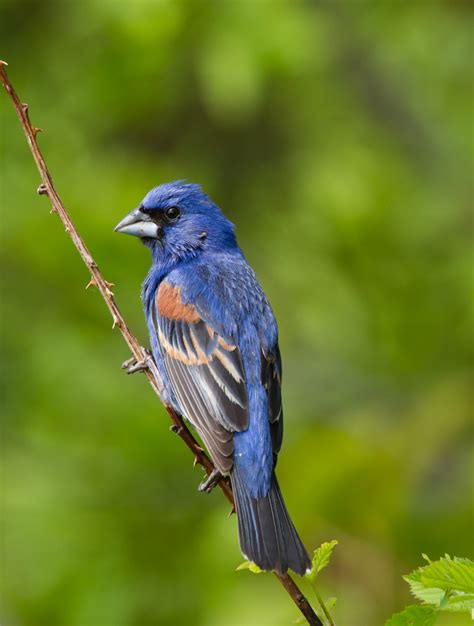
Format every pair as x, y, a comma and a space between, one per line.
214, 339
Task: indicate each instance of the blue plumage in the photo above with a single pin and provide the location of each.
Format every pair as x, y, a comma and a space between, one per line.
215, 342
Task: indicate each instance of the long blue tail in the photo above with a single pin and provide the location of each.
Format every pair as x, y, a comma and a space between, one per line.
266, 533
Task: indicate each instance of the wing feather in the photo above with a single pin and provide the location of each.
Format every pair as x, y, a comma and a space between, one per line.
271, 380
206, 372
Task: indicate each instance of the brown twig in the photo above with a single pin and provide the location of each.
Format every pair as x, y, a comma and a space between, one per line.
179, 427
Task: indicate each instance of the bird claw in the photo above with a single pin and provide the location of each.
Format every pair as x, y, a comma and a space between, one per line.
210, 481
132, 365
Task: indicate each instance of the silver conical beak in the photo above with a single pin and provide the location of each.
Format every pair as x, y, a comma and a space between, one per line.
138, 224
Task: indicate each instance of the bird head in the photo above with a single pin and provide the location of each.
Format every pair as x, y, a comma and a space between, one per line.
179, 220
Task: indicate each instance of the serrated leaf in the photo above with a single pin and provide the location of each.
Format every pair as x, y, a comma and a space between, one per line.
422, 584
449, 574
321, 558
413, 616
458, 602
420, 591
250, 566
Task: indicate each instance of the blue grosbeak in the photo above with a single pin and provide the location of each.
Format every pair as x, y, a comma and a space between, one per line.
215, 343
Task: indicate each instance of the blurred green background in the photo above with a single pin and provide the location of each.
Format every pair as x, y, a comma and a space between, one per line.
338, 138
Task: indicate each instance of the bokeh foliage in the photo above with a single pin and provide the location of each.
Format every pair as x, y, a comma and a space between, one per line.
337, 136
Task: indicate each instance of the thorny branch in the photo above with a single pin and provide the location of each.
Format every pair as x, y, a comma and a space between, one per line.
97, 280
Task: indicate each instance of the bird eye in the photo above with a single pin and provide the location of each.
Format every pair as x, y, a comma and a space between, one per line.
172, 213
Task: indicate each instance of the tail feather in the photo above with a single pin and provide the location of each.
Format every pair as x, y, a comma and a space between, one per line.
266, 533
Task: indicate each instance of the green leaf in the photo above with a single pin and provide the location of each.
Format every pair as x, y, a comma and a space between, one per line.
321, 558
443, 583
250, 566
413, 616
420, 591
447, 574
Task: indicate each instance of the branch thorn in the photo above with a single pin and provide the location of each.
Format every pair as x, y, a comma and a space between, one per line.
108, 287
36, 130
91, 283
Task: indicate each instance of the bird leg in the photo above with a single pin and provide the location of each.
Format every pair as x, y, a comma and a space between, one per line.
132, 365
210, 481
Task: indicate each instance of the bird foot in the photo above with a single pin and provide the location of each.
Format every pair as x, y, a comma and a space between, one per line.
210, 481
132, 365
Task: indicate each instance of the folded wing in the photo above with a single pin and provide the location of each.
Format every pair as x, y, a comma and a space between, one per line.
206, 373
271, 380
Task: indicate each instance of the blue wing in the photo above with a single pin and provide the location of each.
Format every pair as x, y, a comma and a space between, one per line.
205, 372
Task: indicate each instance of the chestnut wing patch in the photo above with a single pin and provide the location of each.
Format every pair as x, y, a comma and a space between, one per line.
206, 373
169, 305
